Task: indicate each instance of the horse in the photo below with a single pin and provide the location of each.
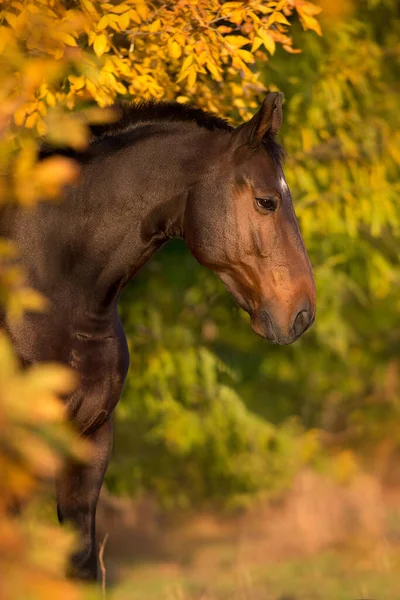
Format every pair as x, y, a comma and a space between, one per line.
161, 170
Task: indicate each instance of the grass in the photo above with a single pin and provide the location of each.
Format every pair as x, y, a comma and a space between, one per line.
342, 574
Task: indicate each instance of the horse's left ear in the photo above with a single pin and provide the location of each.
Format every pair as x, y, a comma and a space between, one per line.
267, 119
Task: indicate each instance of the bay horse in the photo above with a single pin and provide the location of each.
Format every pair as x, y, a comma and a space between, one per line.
162, 170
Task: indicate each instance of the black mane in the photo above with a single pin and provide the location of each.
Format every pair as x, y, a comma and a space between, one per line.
152, 111
149, 112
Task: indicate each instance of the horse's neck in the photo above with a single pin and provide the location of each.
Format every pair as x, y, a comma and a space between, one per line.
129, 203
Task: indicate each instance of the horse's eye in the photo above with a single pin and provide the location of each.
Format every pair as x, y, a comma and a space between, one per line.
267, 205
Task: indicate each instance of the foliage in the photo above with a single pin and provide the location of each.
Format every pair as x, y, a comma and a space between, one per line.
186, 50
184, 433
33, 436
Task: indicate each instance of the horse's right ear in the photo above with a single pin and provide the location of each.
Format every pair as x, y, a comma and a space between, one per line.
267, 119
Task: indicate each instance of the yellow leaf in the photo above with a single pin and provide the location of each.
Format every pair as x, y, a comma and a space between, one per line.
267, 39
124, 20
192, 76
91, 88
10, 18
66, 130
277, 17
224, 29
120, 88
77, 82
237, 16
7, 248
52, 377
6, 38
185, 66
88, 4
97, 115
100, 44
309, 22
32, 300
310, 9
237, 40
32, 8
8, 363
50, 99
213, 70
246, 56
155, 26
104, 22
237, 63
174, 49
135, 17
143, 11
256, 44
41, 107
119, 8
56, 171
291, 50
227, 7
41, 127
66, 38
19, 115
203, 57
32, 120
31, 107
180, 38
58, 53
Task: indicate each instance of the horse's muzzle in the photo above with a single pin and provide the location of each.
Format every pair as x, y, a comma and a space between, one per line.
267, 327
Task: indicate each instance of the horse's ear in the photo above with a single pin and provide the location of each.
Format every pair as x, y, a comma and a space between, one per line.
267, 119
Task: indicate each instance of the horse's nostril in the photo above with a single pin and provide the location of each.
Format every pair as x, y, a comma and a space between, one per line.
301, 322
269, 328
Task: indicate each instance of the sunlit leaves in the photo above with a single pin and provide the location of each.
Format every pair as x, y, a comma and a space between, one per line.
33, 440
153, 44
307, 12
213, 448
35, 420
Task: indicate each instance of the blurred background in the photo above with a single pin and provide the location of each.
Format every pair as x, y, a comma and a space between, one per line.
240, 469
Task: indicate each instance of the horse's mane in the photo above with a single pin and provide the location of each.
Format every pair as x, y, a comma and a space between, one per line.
152, 111
133, 115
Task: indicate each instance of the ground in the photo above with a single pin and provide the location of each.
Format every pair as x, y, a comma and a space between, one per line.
341, 574
320, 542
